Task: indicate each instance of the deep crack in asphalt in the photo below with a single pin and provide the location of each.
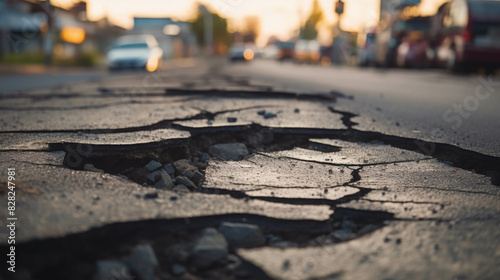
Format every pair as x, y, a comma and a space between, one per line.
114, 240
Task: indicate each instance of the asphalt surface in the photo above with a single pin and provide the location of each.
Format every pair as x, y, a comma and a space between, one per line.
337, 174
408, 103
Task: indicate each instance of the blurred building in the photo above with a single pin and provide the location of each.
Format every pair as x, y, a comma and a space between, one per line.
175, 37
20, 26
26, 24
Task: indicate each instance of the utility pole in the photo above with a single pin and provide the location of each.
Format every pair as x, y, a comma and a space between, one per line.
48, 43
209, 29
337, 40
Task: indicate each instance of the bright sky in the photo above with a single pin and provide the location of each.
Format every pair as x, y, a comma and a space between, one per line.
277, 17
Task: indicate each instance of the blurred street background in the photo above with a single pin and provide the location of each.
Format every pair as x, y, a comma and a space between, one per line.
46, 43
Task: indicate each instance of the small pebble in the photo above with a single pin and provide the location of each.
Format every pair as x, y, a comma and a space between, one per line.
153, 165
151, 195
269, 116
169, 168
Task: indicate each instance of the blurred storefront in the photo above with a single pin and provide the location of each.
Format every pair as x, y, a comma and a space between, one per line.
30, 26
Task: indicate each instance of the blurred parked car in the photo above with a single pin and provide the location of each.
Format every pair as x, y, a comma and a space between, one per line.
467, 35
368, 50
412, 51
286, 50
386, 45
240, 52
135, 52
271, 52
307, 51
411, 32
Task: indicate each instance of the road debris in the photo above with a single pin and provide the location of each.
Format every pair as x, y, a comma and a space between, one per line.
230, 151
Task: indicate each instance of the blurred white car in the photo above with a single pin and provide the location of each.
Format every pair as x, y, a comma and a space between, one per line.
307, 51
135, 52
241, 52
271, 52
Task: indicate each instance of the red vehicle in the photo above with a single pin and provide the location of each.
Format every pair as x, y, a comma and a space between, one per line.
467, 35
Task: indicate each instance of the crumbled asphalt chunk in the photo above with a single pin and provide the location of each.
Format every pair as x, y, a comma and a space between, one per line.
178, 269
151, 195
269, 115
142, 261
170, 169
231, 151
181, 188
152, 166
232, 120
111, 269
153, 177
92, 168
242, 235
197, 178
165, 181
349, 225
208, 249
205, 157
186, 182
158, 176
297, 110
185, 168
343, 234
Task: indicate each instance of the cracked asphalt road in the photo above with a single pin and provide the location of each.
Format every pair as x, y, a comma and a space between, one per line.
334, 176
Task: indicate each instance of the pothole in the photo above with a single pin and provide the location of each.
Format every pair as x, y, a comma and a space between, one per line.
200, 248
205, 248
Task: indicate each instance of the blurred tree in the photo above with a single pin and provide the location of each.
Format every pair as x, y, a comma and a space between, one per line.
309, 29
220, 32
251, 29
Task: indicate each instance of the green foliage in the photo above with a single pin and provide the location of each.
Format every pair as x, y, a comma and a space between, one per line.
309, 30
221, 34
87, 59
23, 58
